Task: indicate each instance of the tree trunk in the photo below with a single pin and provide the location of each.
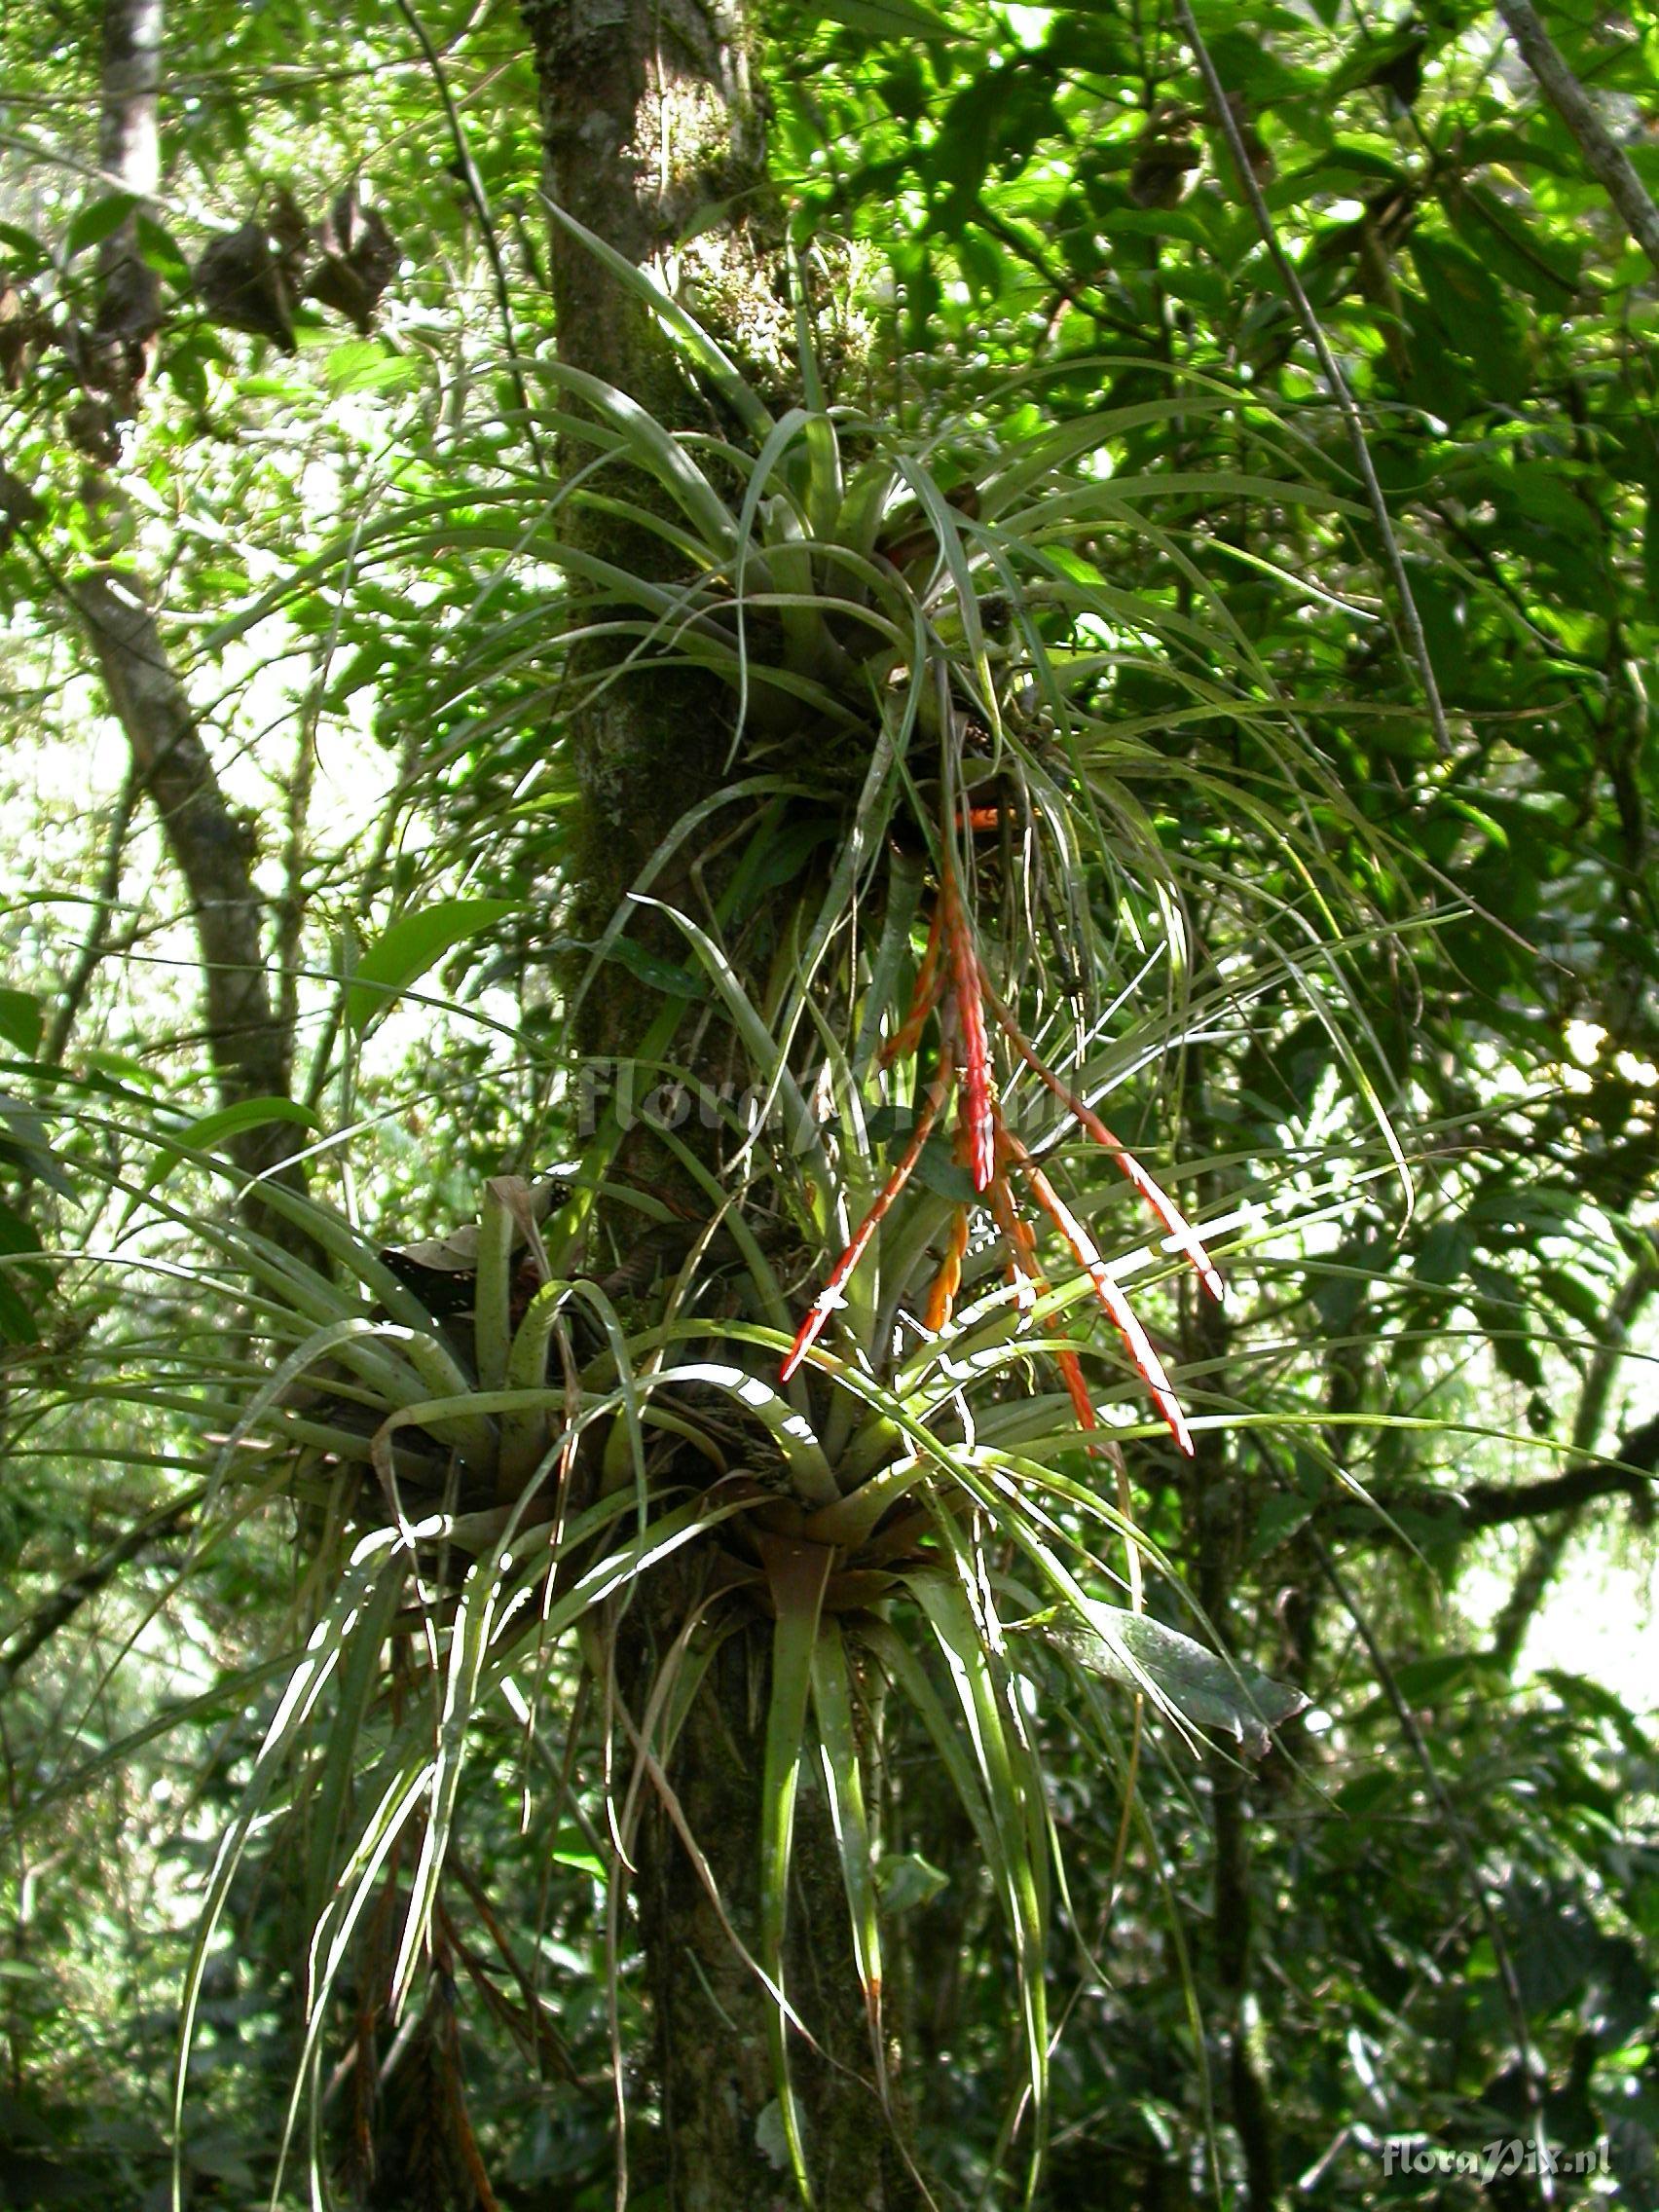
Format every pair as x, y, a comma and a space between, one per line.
209, 847
648, 117
250, 1048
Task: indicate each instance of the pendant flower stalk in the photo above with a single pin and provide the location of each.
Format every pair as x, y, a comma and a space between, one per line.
952, 983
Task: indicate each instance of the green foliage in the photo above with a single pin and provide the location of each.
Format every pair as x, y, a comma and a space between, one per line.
353, 1743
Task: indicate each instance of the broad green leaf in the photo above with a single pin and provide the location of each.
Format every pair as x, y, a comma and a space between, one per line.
161, 250
404, 953
98, 220
894, 20
663, 976
1142, 1654
23, 1020
16, 1323
210, 1130
26, 253
364, 365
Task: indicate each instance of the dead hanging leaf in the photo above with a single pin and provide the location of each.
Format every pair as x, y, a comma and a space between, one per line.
457, 1254
358, 259
130, 299
1162, 159
1179, 1676
245, 286
18, 506
1256, 150
93, 430
23, 332
287, 225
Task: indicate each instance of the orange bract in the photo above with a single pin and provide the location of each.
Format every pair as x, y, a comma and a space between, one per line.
953, 981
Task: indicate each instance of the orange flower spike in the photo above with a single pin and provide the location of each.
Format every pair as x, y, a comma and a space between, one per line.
973, 1051
1076, 1389
830, 1297
1181, 1231
929, 984
1118, 1307
1024, 1271
941, 1297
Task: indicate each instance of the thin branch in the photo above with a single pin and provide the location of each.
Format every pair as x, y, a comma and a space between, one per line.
1629, 1474
156, 1528
1604, 157
475, 192
1329, 369
1550, 1544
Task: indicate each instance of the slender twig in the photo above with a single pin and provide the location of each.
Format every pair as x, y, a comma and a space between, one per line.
1330, 369
1604, 157
103, 905
475, 192
27, 1637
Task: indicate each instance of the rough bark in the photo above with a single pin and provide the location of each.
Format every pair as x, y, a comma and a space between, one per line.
646, 117
720, 2147
129, 150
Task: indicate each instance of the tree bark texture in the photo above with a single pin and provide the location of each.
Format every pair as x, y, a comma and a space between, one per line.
647, 116
130, 149
721, 2147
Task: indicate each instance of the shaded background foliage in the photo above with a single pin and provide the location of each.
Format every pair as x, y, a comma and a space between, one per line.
1440, 1887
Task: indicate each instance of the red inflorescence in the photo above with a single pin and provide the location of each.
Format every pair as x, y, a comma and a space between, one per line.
953, 982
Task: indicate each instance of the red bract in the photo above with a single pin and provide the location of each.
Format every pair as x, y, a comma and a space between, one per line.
830, 1297
1118, 1307
978, 1108
904, 1040
1182, 1235
953, 981
941, 1297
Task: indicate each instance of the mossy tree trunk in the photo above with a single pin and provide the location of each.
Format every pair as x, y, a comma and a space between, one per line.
648, 116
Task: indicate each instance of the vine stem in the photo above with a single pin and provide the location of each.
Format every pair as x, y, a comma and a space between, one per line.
1329, 368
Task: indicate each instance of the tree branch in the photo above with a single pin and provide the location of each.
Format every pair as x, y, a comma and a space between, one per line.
1604, 157
248, 1045
1629, 1473
157, 1528
1329, 368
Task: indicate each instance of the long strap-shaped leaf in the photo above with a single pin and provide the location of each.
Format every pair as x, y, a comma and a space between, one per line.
363, 1607
973, 1673
797, 1574
717, 364
843, 1781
